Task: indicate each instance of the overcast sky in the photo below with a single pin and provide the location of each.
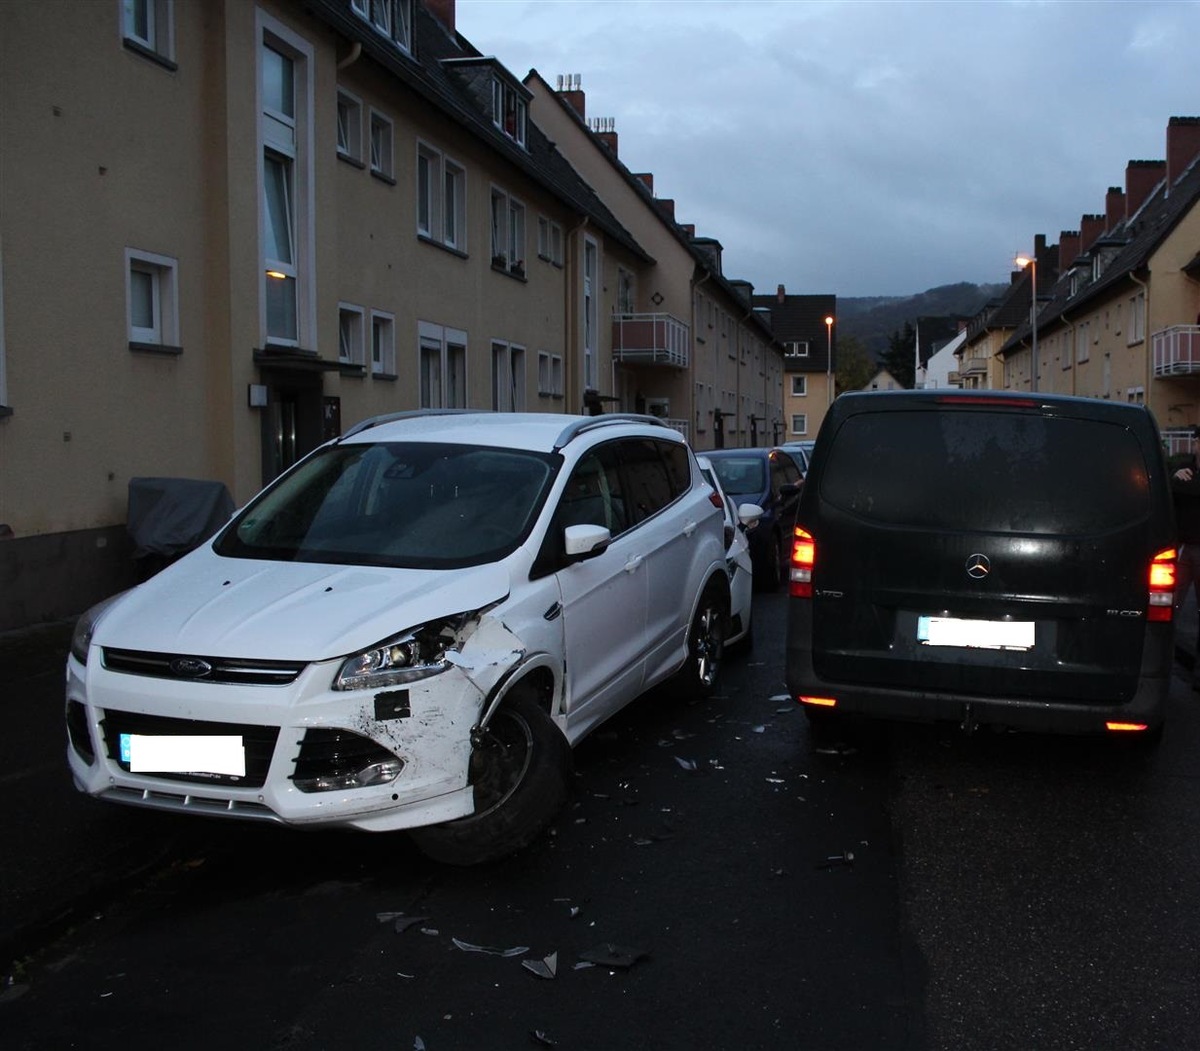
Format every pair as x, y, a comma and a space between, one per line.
867, 148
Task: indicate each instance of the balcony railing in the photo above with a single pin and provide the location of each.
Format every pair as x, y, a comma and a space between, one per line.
974, 367
1176, 350
650, 339
680, 425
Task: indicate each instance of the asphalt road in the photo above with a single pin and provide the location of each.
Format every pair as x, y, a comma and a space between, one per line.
1005, 892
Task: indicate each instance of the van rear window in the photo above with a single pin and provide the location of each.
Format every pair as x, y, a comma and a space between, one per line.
1008, 472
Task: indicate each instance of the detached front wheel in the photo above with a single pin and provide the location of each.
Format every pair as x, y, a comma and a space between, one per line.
519, 770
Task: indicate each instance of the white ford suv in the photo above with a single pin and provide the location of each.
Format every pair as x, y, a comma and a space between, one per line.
409, 630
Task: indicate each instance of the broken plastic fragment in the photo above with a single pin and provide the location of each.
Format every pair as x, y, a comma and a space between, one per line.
546, 968
540, 1037
609, 955
759, 729
519, 950
404, 922
687, 764
845, 858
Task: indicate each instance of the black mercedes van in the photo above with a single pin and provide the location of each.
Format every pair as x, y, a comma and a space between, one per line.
989, 558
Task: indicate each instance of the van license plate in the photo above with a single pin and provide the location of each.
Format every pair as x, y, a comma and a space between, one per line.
184, 754
976, 634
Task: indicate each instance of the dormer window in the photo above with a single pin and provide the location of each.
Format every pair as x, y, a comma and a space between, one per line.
508, 110
390, 18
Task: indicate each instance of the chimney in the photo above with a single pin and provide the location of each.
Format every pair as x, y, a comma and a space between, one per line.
604, 128
1090, 228
572, 93
667, 207
1140, 179
443, 11
647, 180
689, 229
1114, 207
1183, 144
1068, 247
780, 294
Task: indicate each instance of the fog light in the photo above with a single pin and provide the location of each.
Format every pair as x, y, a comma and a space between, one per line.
375, 774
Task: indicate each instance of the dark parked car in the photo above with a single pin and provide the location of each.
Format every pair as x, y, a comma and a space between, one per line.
990, 558
771, 479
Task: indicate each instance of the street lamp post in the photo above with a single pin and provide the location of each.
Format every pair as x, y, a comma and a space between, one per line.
1031, 262
828, 360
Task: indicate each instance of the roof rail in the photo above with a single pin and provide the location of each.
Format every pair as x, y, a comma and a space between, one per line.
606, 419
390, 417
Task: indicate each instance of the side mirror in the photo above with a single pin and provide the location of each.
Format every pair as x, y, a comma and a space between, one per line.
585, 541
749, 514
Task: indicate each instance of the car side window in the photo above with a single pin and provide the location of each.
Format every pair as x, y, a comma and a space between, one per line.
593, 494
679, 467
649, 482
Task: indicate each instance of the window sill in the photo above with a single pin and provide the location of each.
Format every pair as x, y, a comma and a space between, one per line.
151, 54
434, 243
155, 348
382, 177
354, 162
352, 370
514, 274
547, 395
390, 377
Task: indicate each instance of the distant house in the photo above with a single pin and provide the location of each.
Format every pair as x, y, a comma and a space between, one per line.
806, 326
884, 380
941, 370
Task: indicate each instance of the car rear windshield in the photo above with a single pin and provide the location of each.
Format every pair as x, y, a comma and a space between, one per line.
1009, 472
741, 475
413, 505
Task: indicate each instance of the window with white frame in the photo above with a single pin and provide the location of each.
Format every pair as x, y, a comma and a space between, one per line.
148, 26
799, 423
152, 299
508, 232
796, 348
626, 291
350, 335
591, 289
442, 366
390, 18
349, 127
1135, 395
550, 241
550, 375
441, 198
383, 344
285, 92
799, 386
381, 147
1082, 343
1136, 329
508, 377
509, 111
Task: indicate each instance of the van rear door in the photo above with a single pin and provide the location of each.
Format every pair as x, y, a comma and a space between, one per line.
961, 548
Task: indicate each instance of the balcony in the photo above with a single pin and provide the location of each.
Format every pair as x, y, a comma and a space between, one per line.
1176, 350
974, 367
650, 339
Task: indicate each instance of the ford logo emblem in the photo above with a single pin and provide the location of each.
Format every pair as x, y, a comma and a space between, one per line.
978, 566
190, 667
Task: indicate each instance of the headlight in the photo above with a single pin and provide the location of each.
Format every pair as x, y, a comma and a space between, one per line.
414, 655
85, 627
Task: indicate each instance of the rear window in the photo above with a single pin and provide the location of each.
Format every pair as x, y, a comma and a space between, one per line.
1006, 472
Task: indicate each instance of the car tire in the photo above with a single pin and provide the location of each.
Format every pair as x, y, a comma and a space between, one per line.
705, 645
520, 770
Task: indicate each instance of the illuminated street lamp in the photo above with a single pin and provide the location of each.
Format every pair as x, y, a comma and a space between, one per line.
829, 358
1031, 262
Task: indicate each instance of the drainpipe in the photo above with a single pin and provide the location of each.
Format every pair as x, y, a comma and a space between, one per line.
1146, 341
570, 312
351, 58
746, 317
692, 353
1071, 351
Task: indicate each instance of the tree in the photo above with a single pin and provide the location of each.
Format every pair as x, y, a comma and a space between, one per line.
855, 368
898, 358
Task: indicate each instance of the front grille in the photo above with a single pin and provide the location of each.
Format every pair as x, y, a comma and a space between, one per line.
328, 754
259, 742
188, 667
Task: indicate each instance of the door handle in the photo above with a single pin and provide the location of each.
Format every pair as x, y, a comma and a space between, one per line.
689, 528
632, 565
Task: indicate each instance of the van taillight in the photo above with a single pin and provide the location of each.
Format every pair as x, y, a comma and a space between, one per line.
804, 554
1161, 604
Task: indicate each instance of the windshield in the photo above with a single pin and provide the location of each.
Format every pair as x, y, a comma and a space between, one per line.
412, 505
741, 475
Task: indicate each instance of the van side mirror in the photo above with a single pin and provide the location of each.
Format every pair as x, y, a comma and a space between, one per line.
749, 514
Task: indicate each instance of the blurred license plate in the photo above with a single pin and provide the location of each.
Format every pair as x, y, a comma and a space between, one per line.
184, 754
977, 634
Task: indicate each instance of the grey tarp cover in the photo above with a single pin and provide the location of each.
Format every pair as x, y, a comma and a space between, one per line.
171, 516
